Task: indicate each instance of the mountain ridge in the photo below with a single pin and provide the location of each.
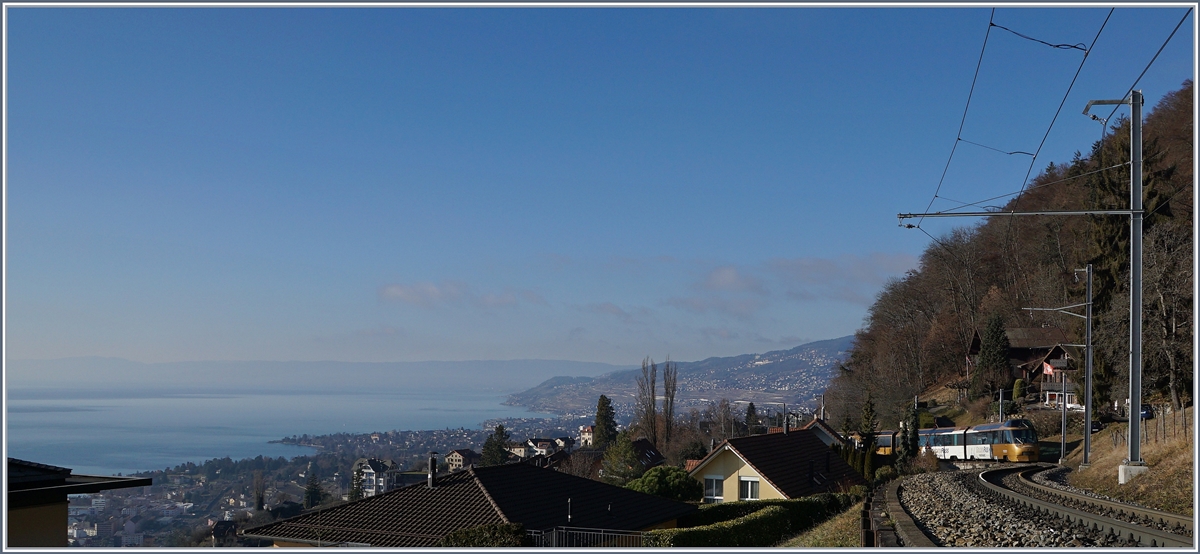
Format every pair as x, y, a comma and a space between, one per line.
792, 376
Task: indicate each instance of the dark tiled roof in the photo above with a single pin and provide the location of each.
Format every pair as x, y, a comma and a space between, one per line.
784, 461
23, 474
1035, 337
31, 483
517, 493
819, 423
647, 454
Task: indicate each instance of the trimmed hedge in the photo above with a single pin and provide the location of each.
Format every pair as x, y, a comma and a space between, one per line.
493, 534
755, 523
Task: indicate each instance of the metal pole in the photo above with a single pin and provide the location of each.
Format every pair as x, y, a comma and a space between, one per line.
1135, 284
1087, 378
1062, 401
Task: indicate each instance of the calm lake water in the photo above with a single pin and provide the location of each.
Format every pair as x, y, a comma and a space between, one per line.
136, 432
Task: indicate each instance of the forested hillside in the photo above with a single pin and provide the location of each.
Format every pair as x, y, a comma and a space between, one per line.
918, 332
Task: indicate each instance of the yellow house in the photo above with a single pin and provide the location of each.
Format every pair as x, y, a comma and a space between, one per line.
776, 465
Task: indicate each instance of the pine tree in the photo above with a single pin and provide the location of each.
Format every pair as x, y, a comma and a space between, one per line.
312, 490
495, 448
993, 355
605, 428
751, 418
867, 430
621, 463
356, 482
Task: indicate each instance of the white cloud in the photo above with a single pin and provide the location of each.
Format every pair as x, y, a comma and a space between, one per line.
728, 278
849, 278
430, 295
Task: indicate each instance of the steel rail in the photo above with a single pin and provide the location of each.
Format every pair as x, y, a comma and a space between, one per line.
1164, 518
1144, 536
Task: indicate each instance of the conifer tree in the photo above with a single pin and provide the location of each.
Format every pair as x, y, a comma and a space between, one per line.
993, 355
495, 448
621, 463
751, 418
312, 490
604, 430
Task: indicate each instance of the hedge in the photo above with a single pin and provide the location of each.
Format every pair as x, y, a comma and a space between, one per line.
493, 534
754, 523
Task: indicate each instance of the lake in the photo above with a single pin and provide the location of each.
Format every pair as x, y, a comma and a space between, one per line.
129, 431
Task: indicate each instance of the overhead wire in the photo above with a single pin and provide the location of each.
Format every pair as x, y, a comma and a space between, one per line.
1063, 102
996, 149
962, 122
1078, 46
1042, 185
1147, 68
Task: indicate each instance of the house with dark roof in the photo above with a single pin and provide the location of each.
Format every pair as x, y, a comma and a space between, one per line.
827, 434
420, 515
37, 500
776, 465
1028, 348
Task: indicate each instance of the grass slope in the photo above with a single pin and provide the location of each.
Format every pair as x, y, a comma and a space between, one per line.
840, 530
1170, 483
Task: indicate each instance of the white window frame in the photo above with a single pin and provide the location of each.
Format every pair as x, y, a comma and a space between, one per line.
757, 488
719, 498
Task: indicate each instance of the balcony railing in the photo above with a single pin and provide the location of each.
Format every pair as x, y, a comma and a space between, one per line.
569, 537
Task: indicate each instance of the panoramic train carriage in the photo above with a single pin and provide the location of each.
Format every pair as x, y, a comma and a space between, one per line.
1013, 440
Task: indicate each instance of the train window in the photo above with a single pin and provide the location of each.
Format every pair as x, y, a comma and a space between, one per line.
1024, 436
958, 440
884, 440
924, 441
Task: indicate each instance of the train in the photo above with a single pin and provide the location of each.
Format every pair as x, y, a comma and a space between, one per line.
1013, 440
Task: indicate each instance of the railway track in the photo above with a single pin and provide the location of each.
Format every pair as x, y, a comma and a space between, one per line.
1143, 526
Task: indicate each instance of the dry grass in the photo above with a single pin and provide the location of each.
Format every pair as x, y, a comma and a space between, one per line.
840, 530
1168, 486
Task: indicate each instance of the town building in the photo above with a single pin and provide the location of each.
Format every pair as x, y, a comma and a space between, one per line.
377, 476
462, 458
586, 435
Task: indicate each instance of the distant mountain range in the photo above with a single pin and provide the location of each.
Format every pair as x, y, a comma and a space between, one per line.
793, 376
115, 377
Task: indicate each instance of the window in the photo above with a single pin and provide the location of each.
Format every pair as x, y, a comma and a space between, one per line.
713, 490
748, 488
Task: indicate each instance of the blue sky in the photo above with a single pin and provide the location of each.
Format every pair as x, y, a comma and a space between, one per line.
397, 184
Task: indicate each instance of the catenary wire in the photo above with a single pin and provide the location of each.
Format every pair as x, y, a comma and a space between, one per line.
963, 122
996, 149
1063, 102
1078, 46
1143, 74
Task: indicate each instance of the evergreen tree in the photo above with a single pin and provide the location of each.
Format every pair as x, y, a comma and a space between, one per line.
908, 438
605, 428
621, 463
495, 448
751, 418
312, 490
867, 430
993, 355
356, 488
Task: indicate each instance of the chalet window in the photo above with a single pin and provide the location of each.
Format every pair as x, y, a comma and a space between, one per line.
748, 488
714, 490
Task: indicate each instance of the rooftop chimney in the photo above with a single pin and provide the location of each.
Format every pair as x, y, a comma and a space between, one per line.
432, 468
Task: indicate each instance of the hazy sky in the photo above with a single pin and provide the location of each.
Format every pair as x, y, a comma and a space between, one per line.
399, 184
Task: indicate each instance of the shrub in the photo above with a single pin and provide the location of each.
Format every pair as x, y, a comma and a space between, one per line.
885, 473
668, 482
757, 523
494, 534
859, 491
